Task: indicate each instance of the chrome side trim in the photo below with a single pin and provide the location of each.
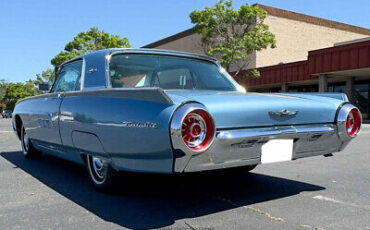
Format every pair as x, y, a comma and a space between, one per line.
107, 59
82, 77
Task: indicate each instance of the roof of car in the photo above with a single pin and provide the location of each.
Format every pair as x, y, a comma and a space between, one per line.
144, 51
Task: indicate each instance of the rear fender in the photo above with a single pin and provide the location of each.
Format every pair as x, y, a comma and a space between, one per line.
128, 126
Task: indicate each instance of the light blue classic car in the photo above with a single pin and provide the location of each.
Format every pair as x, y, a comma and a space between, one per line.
159, 111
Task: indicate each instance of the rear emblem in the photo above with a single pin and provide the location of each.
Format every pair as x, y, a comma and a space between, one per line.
283, 113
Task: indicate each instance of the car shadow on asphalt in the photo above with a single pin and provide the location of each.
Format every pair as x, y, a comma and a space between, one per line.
159, 200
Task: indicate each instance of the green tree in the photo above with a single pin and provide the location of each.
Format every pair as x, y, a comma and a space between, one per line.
84, 42
3, 85
45, 77
17, 91
232, 35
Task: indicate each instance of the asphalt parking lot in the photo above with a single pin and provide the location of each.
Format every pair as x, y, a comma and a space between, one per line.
311, 193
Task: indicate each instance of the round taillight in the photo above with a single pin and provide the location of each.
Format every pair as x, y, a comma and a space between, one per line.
353, 122
197, 130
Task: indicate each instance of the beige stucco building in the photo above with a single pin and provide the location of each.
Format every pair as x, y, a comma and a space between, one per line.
312, 54
295, 33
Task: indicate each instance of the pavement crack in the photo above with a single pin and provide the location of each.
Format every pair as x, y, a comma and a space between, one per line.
190, 226
268, 215
254, 209
251, 208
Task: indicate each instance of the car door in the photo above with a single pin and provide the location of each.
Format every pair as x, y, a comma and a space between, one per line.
42, 123
67, 80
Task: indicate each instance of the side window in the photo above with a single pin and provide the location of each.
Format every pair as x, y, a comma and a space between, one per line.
69, 77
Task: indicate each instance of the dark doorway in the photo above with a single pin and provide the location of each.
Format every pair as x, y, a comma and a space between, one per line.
303, 88
339, 87
361, 97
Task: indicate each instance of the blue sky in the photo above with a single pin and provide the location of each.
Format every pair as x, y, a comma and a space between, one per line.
34, 31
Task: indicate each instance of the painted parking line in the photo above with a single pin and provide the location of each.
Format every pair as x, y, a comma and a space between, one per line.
319, 197
3, 131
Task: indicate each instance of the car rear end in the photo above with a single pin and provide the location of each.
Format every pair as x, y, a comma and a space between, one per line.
200, 145
215, 124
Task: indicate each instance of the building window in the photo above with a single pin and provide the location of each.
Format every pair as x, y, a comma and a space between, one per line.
303, 88
337, 87
361, 97
275, 90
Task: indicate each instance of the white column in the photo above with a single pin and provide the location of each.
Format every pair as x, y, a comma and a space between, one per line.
323, 83
284, 87
349, 88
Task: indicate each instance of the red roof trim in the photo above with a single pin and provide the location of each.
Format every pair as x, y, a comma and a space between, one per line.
337, 58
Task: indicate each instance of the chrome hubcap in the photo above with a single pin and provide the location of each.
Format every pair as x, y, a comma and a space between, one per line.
98, 167
25, 141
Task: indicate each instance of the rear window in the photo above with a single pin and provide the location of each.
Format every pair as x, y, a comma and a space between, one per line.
167, 72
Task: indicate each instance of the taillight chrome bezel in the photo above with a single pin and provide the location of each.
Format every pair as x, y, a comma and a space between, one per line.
176, 125
344, 113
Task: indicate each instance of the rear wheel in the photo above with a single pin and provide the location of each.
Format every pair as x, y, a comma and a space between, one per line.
101, 174
27, 147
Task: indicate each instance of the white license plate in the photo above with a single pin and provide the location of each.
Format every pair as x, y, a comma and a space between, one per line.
277, 150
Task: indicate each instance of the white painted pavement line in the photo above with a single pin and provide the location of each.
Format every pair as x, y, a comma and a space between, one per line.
3, 131
319, 197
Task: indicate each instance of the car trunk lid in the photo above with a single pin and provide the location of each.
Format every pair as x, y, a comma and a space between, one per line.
238, 110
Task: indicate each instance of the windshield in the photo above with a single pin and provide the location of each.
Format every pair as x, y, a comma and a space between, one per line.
167, 72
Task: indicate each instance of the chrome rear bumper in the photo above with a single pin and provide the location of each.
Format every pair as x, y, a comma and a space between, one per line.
240, 147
